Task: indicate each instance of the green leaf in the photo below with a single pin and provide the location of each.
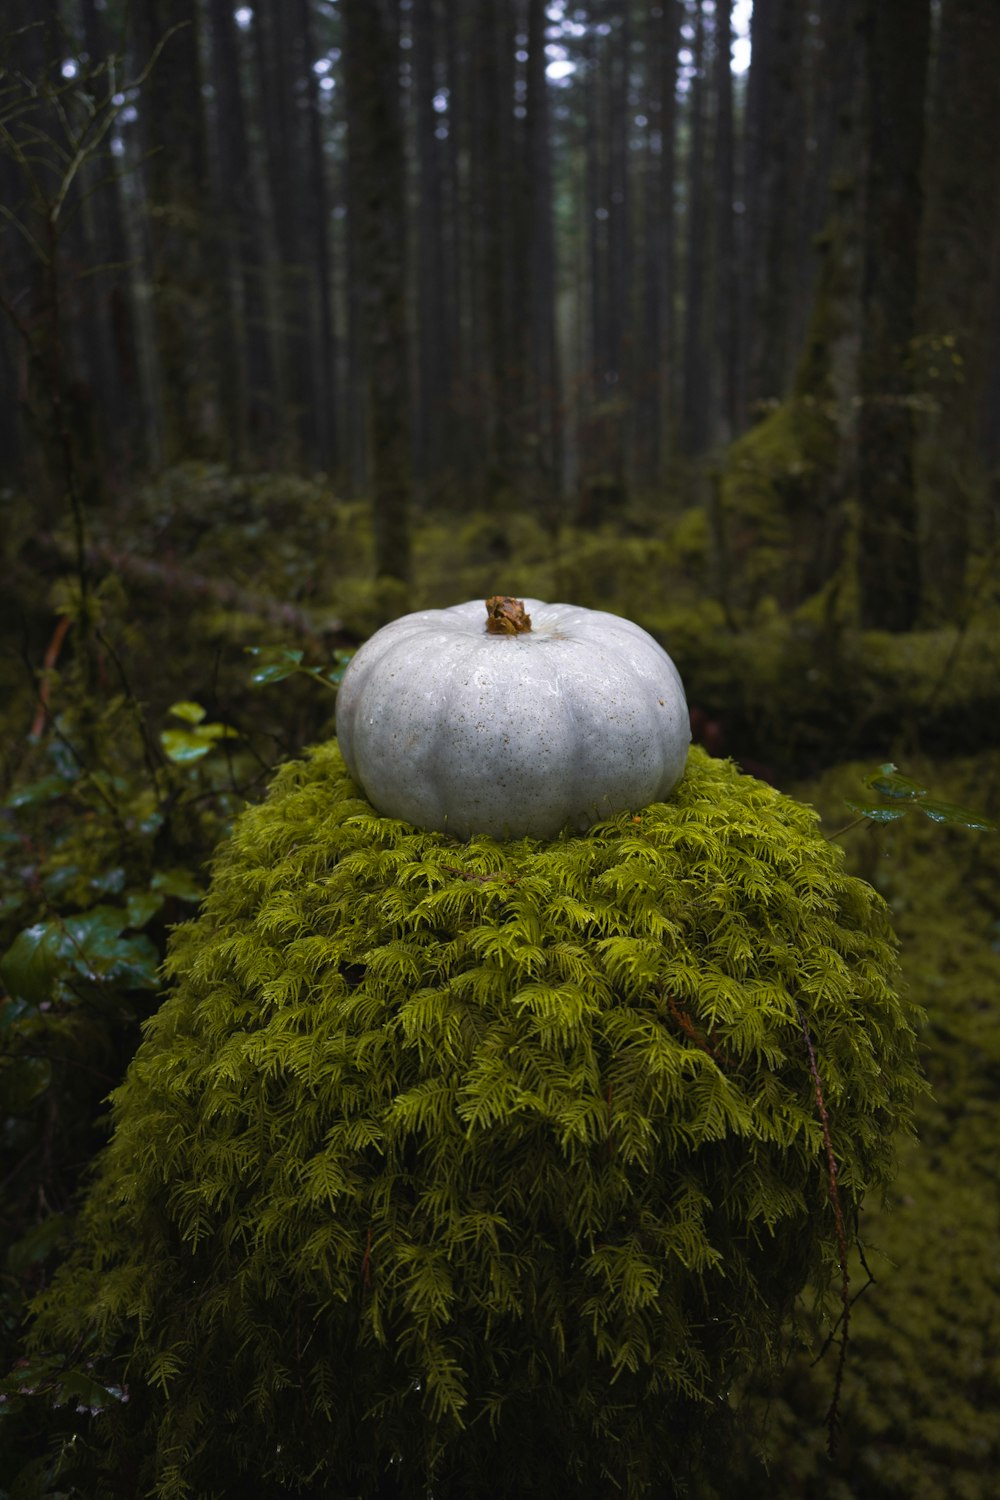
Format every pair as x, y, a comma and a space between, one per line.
186, 745
275, 663
97, 951
45, 790
218, 732
335, 673
12, 1010
192, 713
878, 814
48, 1374
29, 1374
11, 903
86, 1393
109, 882
29, 967
183, 746
888, 782
179, 883
87, 946
950, 812
141, 906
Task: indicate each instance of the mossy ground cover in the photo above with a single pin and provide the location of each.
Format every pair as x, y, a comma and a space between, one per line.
274, 560
923, 1383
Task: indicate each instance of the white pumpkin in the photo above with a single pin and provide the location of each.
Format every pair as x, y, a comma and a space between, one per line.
471, 724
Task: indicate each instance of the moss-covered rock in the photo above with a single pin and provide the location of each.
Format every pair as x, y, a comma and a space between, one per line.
482, 1169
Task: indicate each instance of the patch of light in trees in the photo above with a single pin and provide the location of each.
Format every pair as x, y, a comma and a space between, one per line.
741, 29
559, 68
243, 17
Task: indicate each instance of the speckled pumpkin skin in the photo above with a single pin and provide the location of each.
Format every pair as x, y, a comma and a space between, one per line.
464, 732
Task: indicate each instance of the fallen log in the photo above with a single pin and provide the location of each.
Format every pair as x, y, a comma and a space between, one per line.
313, 625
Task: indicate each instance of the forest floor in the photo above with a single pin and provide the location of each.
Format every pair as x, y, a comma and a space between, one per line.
132, 736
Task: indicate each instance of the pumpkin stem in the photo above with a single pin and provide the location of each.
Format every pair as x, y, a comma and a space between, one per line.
506, 616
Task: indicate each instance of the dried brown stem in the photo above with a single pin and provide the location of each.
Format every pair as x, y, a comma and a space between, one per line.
506, 616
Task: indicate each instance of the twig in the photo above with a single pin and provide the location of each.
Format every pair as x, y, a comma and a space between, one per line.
686, 1024
51, 657
833, 1412
861, 818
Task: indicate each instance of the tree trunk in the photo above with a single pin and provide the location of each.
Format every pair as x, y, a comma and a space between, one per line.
726, 279
281, 67
321, 398
604, 202
654, 320
959, 250
431, 408
378, 232
115, 359
774, 152
780, 514
897, 35
176, 174
697, 334
544, 438
501, 256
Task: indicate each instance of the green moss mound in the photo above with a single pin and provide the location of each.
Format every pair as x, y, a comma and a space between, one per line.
482, 1169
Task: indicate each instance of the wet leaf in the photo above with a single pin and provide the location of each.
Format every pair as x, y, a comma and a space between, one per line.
275, 663
950, 812
87, 946
888, 782
31, 964
48, 1373
878, 814
86, 1393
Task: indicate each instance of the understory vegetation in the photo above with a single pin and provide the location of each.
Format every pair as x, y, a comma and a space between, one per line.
153, 682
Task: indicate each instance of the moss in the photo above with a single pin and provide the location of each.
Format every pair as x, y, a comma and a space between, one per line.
809, 687
488, 1166
766, 511
923, 1378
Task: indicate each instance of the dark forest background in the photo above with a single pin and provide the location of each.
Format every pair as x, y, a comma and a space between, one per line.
316, 311
506, 255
